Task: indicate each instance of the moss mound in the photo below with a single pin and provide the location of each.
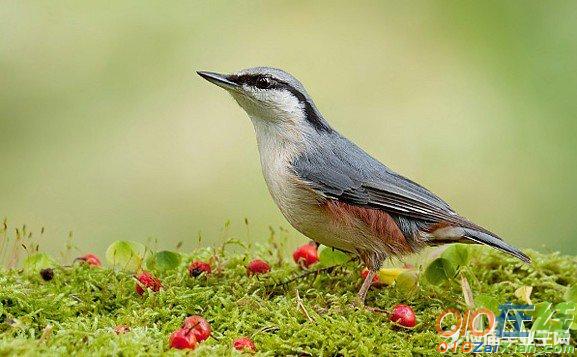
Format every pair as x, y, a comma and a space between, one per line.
285, 312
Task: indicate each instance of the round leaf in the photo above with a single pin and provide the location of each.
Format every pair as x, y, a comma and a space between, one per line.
125, 255
163, 261
488, 301
38, 261
457, 254
388, 275
439, 271
329, 257
407, 281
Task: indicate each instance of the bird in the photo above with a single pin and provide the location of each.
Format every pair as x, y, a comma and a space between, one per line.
331, 190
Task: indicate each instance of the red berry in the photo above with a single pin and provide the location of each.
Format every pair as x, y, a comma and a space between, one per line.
258, 266
306, 255
197, 267
183, 339
199, 326
403, 315
244, 344
376, 281
91, 260
147, 280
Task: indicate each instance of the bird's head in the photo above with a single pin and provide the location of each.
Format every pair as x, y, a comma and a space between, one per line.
271, 96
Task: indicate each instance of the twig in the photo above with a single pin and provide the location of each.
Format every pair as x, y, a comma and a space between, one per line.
303, 275
301, 306
467, 293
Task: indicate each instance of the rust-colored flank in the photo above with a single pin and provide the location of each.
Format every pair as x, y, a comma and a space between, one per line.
378, 222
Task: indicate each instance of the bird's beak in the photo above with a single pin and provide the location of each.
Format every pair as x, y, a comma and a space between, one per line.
218, 79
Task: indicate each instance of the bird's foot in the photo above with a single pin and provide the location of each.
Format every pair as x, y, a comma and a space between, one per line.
362, 294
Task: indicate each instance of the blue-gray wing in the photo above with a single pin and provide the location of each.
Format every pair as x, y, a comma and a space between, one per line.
338, 169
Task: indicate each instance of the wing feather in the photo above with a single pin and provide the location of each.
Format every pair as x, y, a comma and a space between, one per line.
339, 170
342, 171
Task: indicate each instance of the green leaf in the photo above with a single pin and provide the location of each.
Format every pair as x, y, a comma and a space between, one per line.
439, 271
566, 307
541, 308
571, 294
125, 255
329, 257
389, 275
407, 281
38, 261
566, 312
487, 301
541, 316
458, 254
163, 261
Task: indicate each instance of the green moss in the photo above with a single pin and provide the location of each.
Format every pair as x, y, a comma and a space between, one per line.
77, 311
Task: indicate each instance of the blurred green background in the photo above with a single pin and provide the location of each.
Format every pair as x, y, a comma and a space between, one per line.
106, 131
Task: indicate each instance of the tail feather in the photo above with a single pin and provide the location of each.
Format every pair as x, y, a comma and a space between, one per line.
495, 242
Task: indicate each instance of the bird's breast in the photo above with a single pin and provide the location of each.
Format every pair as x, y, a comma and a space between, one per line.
306, 209
299, 204
289, 192
303, 207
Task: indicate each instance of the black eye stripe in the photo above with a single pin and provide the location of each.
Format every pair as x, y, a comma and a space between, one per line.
255, 80
274, 83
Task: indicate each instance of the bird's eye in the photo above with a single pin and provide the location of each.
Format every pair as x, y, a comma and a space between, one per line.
263, 82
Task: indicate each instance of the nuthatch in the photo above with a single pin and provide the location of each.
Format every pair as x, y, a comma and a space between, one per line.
331, 190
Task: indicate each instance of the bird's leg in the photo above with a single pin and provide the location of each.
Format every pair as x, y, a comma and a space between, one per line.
372, 261
362, 294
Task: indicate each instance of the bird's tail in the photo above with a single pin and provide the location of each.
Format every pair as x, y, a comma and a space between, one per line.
474, 234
